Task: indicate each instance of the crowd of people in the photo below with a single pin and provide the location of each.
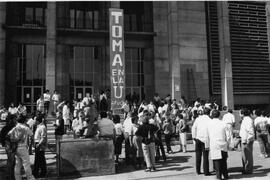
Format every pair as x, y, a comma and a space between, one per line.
141, 128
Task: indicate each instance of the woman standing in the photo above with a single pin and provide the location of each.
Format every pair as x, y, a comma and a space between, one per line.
147, 131
181, 129
66, 116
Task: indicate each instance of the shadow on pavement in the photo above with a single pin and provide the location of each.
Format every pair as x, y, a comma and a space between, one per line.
257, 172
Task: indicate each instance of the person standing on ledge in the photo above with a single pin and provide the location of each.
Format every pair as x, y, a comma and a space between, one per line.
47, 99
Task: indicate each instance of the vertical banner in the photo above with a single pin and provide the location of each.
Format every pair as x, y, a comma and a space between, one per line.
117, 60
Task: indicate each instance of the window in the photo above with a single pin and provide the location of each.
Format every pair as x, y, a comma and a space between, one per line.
136, 18
34, 14
134, 74
30, 65
84, 15
83, 67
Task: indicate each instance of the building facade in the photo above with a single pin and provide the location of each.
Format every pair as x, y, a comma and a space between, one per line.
209, 50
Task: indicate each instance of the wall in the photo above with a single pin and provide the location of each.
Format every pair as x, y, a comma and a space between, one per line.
193, 49
161, 56
86, 157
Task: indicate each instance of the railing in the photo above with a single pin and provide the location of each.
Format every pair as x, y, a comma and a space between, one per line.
101, 25
21, 21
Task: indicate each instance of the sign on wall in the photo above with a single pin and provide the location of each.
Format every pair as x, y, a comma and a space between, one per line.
117, 59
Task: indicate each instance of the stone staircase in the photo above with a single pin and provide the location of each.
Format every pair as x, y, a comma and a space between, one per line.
50, 136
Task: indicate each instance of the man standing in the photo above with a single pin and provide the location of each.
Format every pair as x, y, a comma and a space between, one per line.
229, 119
200, 136
219, 138
20, 134
47, 99
247, 139
40, 147
56, 100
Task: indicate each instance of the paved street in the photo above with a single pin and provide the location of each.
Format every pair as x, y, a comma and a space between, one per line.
179, 165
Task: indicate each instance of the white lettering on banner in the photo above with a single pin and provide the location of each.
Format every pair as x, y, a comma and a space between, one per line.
117, 44
117, 59
117, 31
117, 16
116, 90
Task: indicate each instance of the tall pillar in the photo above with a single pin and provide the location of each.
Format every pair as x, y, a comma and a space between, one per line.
173, 49
51, 46
115, 4
225, 55
51, 50
2, 52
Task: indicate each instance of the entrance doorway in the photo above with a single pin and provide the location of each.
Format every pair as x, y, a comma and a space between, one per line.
81, 91
30, 95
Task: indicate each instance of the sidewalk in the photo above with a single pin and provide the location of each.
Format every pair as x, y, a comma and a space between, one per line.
179, 165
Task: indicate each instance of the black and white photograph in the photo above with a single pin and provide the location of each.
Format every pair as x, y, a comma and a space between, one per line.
134, 90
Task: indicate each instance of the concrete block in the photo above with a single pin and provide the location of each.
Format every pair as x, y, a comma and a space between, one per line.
161, 51
86, 157
191, 16
193, 40
161, 39
160, 26
192, 28
192, 52
160, 13
160, 4
191, 5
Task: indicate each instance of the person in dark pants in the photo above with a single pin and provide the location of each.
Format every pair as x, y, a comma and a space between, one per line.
40, 147
219, 138
221, 166
10, 147
159, 146
200, 136
168, 129
201, 151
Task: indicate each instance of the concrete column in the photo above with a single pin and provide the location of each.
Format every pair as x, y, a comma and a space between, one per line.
2, 52
115, 4
62, 71
51, 46
51, 49
173, 49
225, 55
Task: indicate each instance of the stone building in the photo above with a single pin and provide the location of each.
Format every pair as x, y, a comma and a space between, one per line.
217, 50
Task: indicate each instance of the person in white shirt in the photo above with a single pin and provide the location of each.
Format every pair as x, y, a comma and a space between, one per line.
47, 99
260, 124
219, 138
127, 131
66, 116
229, 119
56, 100
200, 136
247, 139
12, 109
106, 126
40, 104
40, 147
20, 134
119, 136
151, 107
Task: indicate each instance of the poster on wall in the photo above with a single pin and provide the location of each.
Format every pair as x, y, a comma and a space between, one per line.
117, 60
